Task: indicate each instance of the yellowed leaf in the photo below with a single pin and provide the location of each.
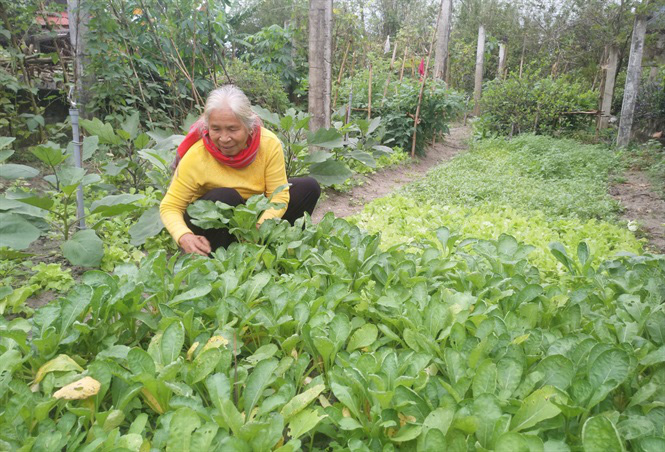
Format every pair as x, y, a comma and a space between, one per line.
152, 401
405, 419
346, 412
191, 350
81, 389
61, 363
325, 403
215, 342
519, 339
294, 353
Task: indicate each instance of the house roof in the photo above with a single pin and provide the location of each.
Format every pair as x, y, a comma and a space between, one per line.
60, 19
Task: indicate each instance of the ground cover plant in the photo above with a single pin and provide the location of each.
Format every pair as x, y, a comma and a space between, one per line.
314, 338
561, 178
404, 220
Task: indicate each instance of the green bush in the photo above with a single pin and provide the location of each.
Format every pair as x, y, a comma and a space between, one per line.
534, 104
262, 89
439, 106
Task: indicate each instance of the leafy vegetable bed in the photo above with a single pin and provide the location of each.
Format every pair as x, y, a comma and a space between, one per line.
315, 338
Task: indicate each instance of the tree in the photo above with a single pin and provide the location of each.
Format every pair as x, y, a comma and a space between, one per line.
608, 87
442, 39
320, 56
480, 57
79, 18
633, 74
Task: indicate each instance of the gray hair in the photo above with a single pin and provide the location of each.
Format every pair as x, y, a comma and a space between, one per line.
231, 97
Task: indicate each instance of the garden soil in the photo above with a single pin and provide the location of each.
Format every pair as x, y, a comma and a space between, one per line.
380, 184
643, 205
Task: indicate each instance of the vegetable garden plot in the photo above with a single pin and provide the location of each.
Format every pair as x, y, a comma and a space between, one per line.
314, 338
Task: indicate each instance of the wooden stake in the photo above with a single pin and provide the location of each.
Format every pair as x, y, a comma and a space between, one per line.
369, 95
401, 71
422, 87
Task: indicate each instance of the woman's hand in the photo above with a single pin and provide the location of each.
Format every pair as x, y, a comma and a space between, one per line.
196, 244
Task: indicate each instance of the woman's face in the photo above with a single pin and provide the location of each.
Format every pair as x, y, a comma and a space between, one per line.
227, 132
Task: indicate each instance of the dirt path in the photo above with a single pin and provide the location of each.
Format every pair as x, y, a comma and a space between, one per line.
641, 204
384, 182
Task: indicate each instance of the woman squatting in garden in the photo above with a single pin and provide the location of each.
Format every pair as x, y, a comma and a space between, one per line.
228, 156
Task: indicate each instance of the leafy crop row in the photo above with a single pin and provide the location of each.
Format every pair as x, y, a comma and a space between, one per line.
314, 338
561, 178
404, 220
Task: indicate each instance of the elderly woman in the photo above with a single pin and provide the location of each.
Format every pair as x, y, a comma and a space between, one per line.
227, 156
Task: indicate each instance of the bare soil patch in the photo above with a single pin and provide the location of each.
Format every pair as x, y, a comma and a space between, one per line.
641, 204
380, 184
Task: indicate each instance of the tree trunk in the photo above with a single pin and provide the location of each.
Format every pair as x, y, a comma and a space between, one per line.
633, 74
442, 40
480, 57
608, 91
320, 57
502, 61
79, 16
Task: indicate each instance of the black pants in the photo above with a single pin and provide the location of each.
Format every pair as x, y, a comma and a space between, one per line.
304, 193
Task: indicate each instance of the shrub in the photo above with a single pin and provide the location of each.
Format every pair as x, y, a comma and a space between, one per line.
534, 104
263, 89
439, 106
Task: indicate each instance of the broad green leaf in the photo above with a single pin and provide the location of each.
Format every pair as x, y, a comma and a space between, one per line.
330, 172
509, 375
203, 437
115, 204
655, 357
266, 116
204, 364
140, 362
607, 372
131, 125
6, 141
192, 294
487, 411
49, 153
84, 249
172, 341
45, 202
303, 422
6, 153
148, 225
90, 146
16, 171
61, 363
182, 425
407, 433
636, 427
317, 157
299, 402
16, 232
484, 381
103, 130
343, 394
363, 337
325, 138
555, 446
535, 408
362, 157
558, 371
511, 442
257, 382
583, 252
600, 434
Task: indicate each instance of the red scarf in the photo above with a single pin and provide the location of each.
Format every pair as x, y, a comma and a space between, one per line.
242, 159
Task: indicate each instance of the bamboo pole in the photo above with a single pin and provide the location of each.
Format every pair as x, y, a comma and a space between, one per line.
401, 71
390, 73
369, 95
422, 87
339, 77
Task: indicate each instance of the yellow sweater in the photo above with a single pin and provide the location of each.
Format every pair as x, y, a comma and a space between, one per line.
199, 172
